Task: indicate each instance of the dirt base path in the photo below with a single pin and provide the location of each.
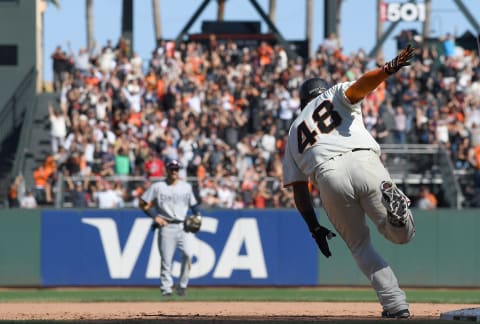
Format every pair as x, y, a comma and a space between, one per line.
213, 311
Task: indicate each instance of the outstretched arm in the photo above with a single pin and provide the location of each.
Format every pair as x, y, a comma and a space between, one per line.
371, 79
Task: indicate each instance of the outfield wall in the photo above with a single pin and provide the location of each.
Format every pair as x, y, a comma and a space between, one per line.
69, 247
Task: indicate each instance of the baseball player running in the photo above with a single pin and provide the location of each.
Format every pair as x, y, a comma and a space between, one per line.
167, 203
329, 145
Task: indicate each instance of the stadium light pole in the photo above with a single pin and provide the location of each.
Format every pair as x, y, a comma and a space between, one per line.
309, 25
127, 21
157, 21
272, 11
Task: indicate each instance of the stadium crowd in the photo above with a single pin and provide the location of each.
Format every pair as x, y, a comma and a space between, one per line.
224, 112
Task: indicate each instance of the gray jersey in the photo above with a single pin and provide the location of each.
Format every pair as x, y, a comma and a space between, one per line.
328, 126
172, 201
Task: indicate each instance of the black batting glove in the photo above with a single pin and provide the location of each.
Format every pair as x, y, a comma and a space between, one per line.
401, 60
320, 234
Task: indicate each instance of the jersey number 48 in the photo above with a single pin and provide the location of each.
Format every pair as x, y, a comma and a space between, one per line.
326, 120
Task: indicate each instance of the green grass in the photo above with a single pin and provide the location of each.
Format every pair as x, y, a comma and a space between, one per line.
200, 294
458, 296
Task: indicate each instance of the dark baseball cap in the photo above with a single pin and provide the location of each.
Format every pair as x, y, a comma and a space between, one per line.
173, 165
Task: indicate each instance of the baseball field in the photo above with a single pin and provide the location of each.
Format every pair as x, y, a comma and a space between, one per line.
222, 305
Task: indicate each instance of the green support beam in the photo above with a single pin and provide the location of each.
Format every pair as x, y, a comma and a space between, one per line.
291, 54
190, 22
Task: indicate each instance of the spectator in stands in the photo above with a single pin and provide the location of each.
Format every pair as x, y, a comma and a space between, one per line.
400, 126
262, 195
265, 54
29, 201
268, 142
287, 108
73, 164
474, 160
58, 127
121, 193
281, 59
103, 107
195, 95
380, 131
105, 196
60, 68
78, 192
138, 192
16, 191
225, 194
133, 92
461, 154
61, 157
106, 60
43, 177
331, 44
426, 200
448, 44
81, 60
104, 135
122, 162
208, 193
108, 162
154, 166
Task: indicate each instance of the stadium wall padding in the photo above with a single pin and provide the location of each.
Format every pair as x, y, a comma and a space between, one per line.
445, 252
19, 247
92, 247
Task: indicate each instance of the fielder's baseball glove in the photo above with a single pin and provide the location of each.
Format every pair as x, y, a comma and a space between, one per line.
192, 224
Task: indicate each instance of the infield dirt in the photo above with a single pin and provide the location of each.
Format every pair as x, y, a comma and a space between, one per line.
214, 312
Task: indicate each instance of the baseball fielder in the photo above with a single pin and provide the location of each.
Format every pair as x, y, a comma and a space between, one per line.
167, 203
329, 145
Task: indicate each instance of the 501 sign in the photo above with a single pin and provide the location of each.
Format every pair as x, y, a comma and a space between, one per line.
395, 11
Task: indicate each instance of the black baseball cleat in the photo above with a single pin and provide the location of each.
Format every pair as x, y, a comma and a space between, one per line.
396, 203
182, 292
404, 313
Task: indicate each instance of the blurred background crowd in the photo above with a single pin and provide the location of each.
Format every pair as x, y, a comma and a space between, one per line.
224, 111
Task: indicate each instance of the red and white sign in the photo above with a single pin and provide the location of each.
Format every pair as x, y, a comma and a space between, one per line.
395, 11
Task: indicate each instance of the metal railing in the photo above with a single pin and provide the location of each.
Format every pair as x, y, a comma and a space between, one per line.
130, 183
412, 165
416, 164
24, 140
12, 113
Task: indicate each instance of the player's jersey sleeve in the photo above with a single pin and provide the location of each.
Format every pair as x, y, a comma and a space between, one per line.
291, 172
192, 200
150, 194
343, 100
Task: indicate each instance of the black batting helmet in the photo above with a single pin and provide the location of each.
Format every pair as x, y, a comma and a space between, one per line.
310, 89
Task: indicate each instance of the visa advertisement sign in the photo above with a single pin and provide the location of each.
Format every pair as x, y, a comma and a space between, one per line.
233, 247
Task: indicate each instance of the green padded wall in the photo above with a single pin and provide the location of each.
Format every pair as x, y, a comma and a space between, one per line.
19, 247
445, 252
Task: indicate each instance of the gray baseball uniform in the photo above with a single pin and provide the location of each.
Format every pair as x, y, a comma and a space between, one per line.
173, 202
329, 145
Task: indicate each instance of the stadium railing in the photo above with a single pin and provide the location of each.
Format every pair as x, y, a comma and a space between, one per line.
12, 113
410, 165
424, 164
